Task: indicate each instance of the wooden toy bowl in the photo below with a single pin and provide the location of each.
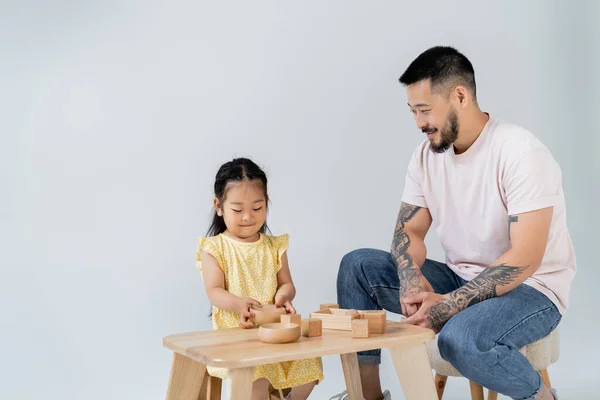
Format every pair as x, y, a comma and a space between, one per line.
267, 314
279, 332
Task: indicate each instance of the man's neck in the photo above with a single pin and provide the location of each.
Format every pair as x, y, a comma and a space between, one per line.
471, 127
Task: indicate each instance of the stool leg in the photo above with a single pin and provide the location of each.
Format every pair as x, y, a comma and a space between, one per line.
352, 376
214, 388
211, 388
492, 395
440, 384
186, 378
476, 391
204, 389
545, 378
240, 383
414, 371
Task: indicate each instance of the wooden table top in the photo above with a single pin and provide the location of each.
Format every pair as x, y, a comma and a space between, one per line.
239, 348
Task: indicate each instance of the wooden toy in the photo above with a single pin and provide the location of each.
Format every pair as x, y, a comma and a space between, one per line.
279, 333
312, 327
341, 319
337, 311
328, 305
334, 319
376, 318
292, 319
267, 314
360, 328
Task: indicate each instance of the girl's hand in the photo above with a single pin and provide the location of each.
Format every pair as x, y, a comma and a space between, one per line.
282, 301
245, 312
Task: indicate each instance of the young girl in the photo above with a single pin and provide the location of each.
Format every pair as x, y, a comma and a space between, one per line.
242, 266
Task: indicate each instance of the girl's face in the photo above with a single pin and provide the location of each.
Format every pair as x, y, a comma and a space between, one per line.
244, 209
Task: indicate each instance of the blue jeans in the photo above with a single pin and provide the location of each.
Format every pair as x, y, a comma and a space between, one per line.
482, 342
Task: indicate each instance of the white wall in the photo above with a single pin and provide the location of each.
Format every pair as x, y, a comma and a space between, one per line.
116, 116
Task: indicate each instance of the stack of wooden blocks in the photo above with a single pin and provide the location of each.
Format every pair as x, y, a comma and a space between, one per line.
361, 323
330, 316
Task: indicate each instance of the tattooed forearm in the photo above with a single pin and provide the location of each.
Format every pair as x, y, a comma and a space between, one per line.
410, 277
401, 241
511, 219
484, 286
440, 313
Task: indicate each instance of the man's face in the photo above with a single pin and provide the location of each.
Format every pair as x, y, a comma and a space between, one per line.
434, 114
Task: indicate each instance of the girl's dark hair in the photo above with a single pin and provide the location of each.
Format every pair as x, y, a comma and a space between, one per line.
236, 170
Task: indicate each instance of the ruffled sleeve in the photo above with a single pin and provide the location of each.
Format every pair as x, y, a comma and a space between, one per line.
282, 243
210, 246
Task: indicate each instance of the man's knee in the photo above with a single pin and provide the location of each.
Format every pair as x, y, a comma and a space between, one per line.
448, 343
351, 280
350, 267
461, 346
352, 260
455, 342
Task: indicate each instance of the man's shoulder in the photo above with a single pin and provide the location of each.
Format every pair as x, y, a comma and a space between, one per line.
515, 138
518, 146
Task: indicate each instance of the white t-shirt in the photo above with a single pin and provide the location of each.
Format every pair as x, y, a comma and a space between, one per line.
506, 171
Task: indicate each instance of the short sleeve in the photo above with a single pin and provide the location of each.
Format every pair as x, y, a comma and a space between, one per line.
283, 243
532, 182
413, 192
211, 248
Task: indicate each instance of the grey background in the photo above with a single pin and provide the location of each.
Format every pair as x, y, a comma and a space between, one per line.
116, 115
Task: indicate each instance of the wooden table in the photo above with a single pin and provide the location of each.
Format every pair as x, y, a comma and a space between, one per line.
241, 349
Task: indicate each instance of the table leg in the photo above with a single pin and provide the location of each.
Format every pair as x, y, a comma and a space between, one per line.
240, 383
352, 376
211, 388
414, 372
186, 378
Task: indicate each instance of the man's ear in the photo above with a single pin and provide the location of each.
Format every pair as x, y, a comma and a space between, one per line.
217, 206
462, 95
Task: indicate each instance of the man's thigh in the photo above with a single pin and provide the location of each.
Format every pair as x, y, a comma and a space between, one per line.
514, 319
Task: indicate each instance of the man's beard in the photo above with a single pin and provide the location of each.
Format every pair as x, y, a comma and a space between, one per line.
448, 134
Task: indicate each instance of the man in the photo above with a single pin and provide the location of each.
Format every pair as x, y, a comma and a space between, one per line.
493, 192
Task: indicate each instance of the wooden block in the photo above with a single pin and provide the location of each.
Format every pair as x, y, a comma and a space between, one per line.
312, 327
335, 319
360, 328
377, 320
328, 305
292, 319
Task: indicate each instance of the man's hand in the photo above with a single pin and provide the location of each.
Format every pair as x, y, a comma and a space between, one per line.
434, 312
244, 310
412, 282
281, 300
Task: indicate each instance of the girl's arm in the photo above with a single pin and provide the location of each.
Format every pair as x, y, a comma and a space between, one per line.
214, 282
286, 291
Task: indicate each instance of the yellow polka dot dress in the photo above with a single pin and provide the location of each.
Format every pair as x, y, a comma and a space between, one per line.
251, 271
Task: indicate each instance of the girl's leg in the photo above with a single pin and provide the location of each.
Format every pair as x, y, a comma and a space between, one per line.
260, 389
302, 392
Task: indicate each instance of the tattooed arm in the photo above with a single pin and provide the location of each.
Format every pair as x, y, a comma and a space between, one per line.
529, 235
409, 252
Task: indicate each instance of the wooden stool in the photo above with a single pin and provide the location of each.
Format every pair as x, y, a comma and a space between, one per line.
541, 355
211, 389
